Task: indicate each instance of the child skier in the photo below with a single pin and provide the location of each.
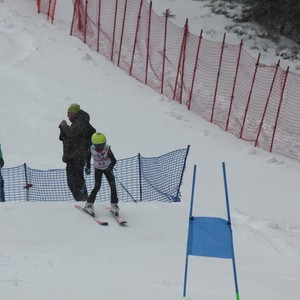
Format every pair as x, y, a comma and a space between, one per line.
104, 162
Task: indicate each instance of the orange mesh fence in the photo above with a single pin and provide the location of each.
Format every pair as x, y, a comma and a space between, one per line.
220, 82
47, 7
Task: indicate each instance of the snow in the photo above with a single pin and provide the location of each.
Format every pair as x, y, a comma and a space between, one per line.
53, 251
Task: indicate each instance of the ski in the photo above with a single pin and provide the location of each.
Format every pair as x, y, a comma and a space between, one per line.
94, 217
120, 220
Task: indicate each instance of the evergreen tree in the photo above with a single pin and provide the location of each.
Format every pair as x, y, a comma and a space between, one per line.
277, 16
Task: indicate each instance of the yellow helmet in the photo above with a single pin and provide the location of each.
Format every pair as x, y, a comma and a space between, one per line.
98, 138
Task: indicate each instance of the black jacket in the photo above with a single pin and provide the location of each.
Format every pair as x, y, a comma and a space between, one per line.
76, 138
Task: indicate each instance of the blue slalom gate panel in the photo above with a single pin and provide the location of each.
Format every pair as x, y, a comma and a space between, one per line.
210, 237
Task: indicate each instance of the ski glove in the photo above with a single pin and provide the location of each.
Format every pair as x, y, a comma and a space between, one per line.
87, 169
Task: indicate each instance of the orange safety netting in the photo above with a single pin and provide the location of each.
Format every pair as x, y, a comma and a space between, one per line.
47, 7
220, 82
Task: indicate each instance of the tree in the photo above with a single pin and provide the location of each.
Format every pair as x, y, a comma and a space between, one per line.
277, 16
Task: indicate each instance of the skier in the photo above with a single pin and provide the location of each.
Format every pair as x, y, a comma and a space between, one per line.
1, 178
76, 140
104, 162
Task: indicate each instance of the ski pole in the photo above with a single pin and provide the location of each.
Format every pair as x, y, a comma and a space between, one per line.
123, 186
84, 188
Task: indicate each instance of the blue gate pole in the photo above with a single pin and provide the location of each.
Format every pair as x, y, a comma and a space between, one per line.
189, 233
229, 224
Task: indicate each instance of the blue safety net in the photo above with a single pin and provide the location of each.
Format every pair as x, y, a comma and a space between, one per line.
137, 179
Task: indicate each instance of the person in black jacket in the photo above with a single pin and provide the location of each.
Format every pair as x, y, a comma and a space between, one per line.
76, 139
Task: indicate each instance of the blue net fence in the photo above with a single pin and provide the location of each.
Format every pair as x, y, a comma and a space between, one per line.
137, 178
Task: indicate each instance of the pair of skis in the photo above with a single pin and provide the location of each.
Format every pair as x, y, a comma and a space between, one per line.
100, 221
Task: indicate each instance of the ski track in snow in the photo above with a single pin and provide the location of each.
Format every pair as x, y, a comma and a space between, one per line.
280, 237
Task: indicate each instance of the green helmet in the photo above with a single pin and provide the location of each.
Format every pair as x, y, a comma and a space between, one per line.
98, 138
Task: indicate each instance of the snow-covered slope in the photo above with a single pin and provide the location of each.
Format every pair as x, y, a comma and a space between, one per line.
53, 251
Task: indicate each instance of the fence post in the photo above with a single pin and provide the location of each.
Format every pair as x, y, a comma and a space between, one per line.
195, 68
140, 177
279, 107
135, 38
85, 21
218, 77
148, 42
183, 168
53, 12
234, 84
267, 103
1, 179
1, 187
122, 33
73, 19
181, 61
164, 52
27, 185
114, 33
48, 11
250, 94
38, 3
99, 25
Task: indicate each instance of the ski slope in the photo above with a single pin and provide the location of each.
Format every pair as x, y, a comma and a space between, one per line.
53, 251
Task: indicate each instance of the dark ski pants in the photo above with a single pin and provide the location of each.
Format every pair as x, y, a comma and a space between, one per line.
111, 181
76, 180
